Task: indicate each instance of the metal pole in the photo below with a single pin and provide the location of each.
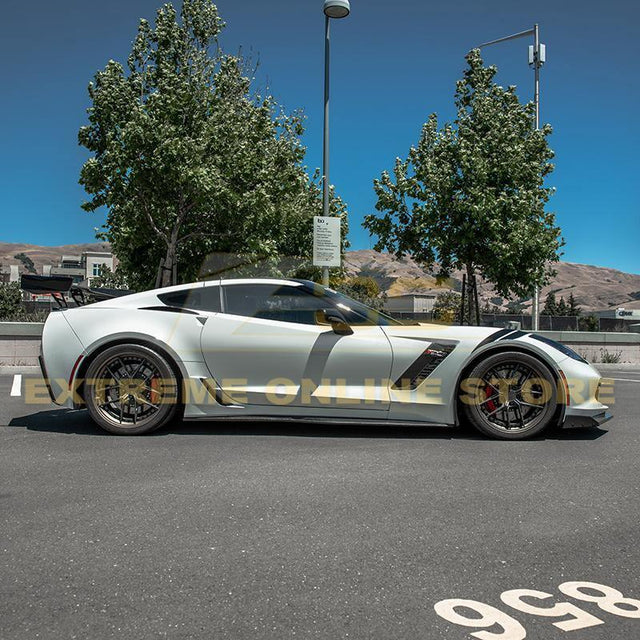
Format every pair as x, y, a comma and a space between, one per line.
325, 145
535, 307
536, 99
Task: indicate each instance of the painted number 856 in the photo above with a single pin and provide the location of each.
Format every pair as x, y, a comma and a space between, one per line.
608, 599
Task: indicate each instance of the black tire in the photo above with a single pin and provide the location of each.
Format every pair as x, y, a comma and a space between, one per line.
131, 389
509, 395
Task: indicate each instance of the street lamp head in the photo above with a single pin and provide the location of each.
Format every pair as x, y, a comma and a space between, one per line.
336, 8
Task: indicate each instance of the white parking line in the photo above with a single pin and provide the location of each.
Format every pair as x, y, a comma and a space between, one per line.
624, 379
16, 387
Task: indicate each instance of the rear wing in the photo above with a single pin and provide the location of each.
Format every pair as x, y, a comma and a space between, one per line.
58, 287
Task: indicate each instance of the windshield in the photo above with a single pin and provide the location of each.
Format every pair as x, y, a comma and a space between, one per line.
354, 312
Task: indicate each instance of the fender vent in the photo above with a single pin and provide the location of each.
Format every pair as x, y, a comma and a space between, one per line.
423, 367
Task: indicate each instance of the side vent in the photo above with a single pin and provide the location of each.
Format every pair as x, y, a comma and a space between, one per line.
216, 392
424, 366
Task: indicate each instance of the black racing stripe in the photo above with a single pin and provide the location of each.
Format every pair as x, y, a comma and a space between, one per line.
498, 335
514, 335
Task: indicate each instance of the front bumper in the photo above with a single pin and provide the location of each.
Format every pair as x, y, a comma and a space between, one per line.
592, 420
586, 392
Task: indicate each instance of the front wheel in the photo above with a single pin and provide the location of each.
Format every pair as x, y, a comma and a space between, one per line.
509, 395
130, 389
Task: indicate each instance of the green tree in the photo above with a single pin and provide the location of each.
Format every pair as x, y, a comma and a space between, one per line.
110, 279
515, 307
27, 262
550, 305
588, 323
188, 160
574, 309
363, 288
471, 195
10, 300
563, 309
447, 306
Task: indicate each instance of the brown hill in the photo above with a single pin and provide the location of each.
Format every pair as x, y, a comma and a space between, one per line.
46, 255
594, 288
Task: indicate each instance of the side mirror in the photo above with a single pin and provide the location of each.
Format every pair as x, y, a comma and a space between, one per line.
338, 322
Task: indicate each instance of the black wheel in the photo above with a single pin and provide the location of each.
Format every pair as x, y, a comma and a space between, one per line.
131, 389
509, 395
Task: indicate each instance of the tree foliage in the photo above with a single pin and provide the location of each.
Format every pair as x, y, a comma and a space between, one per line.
26, 261
447, 306
10, 300
471, 195
109, 279
553, 307
550, 305
188, 160
363, 288
574, 309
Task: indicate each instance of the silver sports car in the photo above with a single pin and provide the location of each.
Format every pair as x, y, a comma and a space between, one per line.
291, 349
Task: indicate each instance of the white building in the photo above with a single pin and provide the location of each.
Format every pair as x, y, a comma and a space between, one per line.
414, 302
82, 268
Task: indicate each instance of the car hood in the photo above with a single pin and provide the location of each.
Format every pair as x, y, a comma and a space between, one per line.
443, 331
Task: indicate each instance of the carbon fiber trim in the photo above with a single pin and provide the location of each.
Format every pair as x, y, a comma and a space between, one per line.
419, 370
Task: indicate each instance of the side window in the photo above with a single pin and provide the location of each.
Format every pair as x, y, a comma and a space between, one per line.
199, 299
273, 302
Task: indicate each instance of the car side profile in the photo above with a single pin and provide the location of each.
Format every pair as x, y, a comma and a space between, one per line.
292, 349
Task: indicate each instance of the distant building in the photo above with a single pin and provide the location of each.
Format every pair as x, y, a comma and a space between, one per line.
627, 314
82, 268
9, 273
619, 314
414, 302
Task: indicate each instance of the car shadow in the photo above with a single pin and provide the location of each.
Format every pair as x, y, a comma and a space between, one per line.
68, 421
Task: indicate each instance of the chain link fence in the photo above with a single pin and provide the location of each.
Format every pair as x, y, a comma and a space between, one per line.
546, 323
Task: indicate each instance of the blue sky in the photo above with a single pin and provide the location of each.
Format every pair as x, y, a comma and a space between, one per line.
393, 63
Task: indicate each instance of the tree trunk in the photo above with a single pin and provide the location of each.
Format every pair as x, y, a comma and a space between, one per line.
471, 297
168, 273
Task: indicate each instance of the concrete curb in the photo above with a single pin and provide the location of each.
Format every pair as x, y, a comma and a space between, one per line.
627, 366
21, 329
11, 370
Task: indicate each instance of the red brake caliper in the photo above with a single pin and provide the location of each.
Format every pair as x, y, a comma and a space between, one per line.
491, 405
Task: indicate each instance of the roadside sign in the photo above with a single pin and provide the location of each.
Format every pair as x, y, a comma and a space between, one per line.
326, 241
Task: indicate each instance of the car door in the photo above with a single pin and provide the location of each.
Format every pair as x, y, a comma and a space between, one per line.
268, 348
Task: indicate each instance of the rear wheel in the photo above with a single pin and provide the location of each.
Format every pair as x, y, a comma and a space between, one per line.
509, 395
131, 389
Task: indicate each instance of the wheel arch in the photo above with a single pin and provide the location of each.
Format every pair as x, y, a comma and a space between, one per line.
140, 340
493, 349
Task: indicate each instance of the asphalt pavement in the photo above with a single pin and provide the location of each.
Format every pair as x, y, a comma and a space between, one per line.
240, 530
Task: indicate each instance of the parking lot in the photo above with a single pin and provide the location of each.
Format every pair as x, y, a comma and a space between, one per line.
240, 530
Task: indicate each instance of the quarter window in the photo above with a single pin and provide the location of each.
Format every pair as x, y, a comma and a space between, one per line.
200, 299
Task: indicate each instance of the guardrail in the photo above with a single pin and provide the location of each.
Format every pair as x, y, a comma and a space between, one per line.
20, 344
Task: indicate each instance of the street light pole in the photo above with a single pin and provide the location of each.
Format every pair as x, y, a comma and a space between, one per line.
537, 57
332, 9
325, 141
535, 324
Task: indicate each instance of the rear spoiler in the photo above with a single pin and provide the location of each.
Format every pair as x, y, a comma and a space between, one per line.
59, 286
